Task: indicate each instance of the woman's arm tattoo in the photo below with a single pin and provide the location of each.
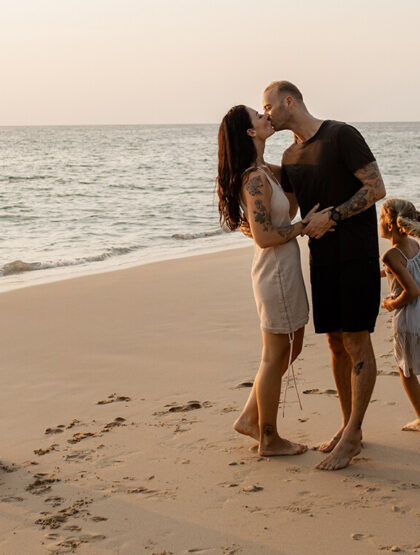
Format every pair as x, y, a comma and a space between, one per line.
254, 186
262, 216
285, 232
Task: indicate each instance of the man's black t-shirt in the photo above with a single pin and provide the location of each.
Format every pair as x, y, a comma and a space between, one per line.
322, 169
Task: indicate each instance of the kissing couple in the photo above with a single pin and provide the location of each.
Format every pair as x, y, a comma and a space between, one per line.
331, 175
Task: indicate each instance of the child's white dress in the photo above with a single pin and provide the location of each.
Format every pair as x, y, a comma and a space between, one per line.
406, 322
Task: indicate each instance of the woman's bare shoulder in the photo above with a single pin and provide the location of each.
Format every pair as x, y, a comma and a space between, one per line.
254, 182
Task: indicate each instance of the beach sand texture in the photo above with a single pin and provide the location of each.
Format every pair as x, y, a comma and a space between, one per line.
118, 394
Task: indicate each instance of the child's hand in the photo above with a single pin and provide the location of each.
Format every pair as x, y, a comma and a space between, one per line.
386, 303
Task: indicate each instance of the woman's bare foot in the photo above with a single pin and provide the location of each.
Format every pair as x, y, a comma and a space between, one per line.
413, 426
245, 426
348, 447
280, 447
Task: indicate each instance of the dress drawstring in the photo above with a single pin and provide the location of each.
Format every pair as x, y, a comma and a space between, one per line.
290, 365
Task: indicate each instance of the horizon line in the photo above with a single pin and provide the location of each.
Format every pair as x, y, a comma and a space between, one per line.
168, 124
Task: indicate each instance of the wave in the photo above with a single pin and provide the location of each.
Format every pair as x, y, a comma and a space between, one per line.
24, 177
188, 236
19, 266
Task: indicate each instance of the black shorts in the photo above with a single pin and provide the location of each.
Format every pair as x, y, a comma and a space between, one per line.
346, 295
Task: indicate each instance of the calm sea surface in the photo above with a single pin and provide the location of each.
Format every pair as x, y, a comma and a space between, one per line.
90, 198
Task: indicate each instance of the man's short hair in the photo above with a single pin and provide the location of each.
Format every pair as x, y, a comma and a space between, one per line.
285, 87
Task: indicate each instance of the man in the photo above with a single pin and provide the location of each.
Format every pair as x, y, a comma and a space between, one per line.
330, 163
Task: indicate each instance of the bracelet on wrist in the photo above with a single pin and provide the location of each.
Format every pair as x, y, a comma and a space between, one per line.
334, 215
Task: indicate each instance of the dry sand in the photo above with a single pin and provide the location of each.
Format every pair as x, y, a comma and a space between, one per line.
118, 394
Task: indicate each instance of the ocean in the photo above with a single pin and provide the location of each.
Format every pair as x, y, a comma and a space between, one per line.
86, 199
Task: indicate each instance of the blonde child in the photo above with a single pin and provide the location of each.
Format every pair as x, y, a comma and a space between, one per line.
399, 219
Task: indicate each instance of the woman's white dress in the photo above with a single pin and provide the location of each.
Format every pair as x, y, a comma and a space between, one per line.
277, 279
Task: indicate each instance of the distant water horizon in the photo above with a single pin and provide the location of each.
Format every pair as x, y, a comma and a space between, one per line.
172, 124
85, 198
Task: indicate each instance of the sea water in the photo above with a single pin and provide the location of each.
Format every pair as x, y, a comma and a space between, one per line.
84, 199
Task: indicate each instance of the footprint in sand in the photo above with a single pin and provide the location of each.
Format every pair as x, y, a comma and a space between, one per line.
73, 423
190, 405
252, 489
10, 499
246, 383
79, 436
72, 542
72, 528
54, 501
316, 391
228, 409
58, 430
300, 509
30, 463
118, 421
114, 398
9, 467
41, 451
79, 455
53, 521
42, 483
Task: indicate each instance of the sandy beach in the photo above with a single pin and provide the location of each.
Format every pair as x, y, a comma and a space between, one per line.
118, 394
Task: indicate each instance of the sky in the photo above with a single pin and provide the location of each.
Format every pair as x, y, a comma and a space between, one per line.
188, 61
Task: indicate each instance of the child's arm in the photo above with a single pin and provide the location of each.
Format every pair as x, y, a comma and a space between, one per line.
397, 265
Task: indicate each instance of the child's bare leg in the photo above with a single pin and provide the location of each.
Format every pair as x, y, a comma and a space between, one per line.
412, 388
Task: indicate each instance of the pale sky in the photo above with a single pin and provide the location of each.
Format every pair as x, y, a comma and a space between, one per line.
189, 61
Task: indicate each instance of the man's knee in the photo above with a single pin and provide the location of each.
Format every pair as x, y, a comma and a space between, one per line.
357, 344
336, 343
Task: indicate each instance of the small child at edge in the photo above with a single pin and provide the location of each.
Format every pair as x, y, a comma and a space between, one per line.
398, 220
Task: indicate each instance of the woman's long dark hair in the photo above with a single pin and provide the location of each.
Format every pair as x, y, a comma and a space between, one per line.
236, 154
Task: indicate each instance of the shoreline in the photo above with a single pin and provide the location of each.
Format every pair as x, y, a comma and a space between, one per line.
43, 276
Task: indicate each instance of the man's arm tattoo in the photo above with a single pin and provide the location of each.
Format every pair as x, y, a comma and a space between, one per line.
254, 186
372, 190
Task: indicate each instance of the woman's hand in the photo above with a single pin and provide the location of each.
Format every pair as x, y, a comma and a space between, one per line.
310, 214
386, 303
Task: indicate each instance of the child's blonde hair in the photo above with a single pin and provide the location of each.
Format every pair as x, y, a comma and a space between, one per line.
404, 215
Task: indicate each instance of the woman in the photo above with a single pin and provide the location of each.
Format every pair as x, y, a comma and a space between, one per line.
247, 184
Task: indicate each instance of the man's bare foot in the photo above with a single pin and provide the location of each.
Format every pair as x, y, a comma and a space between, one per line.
280, 447
413, 426
244, 426
348, 447
328, 446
